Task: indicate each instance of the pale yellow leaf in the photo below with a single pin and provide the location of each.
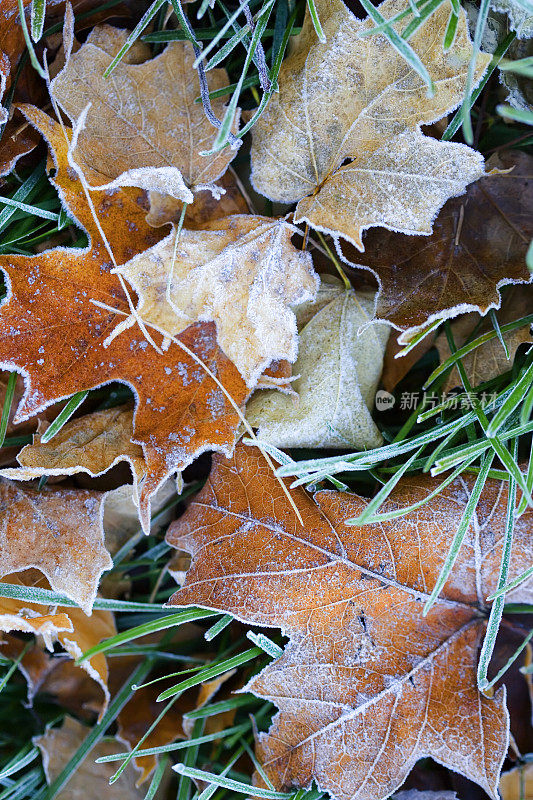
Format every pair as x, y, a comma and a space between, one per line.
357, 99
338, 369
242, 273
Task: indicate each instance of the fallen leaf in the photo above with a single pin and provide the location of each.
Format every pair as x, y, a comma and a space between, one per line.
366, 685
478, 245
57, 531
90, 781
413, 794
489, 360
357, 99
75, 631
520, 18
205, 208
18, 139
338, 369
517, 784
93, 444
241, 272
394, 369
146, 149
52, 332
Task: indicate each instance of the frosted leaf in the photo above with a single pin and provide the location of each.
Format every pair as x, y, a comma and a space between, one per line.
338, 369
241, 272
357, 99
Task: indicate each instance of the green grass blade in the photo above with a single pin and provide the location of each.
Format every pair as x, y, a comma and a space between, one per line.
451, 31
476, 46
22, 193
134, 35
510, 662
22, 759
64, 415
316, 22
157, 778
29, 44
393, 20
458, 539
8, 402
228, 783
211, 672
419, 20
512, 584
173, 620
496, 612
218, 627
38, 10
519, 391
12, 669
226, 49
516, 114
216, 39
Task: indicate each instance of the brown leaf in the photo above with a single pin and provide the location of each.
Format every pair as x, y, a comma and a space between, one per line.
357, 99
241, 272
90, 781
57, 531
204, 209
71, 627
478, 245
489, 360
146, 149
52, 332
93, 443
367, 685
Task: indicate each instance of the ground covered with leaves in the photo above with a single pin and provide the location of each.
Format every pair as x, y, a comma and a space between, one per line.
266, 400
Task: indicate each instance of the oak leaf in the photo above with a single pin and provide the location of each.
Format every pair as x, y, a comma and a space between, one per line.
57, 531
338, 369
126, 140
478, 245
357, 99
52, 332
241, 272
366, 685
90, 781
71, 627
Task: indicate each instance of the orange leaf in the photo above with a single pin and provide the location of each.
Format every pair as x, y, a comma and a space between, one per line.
366, 685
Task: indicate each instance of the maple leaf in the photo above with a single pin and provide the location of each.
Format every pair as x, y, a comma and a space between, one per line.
57, 531
479, 244
75, 631
366, 685
52, 332
358, 99
90, 780
146, 149
243, 273
338, 370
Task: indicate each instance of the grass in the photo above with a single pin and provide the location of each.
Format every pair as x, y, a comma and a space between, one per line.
492, 441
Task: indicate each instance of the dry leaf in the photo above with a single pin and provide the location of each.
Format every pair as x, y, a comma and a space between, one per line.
366, 685
358, 99
90, 781
146, 149
338, 369
520, 18
489, 360
71, 627
205, 208
413, 794
479, 244
51, 330
517, 784
93, 444
57, 531
240, 272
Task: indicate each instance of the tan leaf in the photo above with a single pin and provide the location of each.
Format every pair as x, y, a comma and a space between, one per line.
71, 627
126, 140
205, 208
357, 99
57, 531
489, 360
90, 781
478, 245
93, 443
517, 784
241, 272
338, 369
366, 685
